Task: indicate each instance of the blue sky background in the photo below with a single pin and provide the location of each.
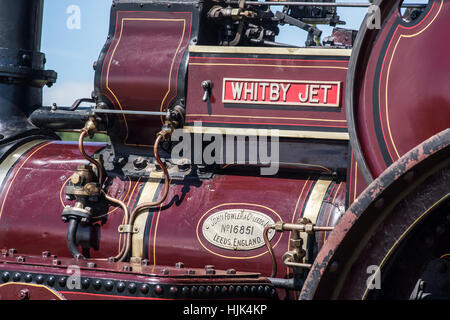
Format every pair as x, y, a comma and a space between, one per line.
71, 53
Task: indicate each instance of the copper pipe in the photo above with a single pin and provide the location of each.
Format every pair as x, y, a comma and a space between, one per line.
126, 216
99, 167
146, 205
166, 183
88, 158
270, 249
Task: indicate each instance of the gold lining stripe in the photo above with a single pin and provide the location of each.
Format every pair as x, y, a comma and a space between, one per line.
314, 204
264, 65
261, 117
274, 51
147, 195
389, 72
17, 172
264, 132
170, 73
9, 161
59, 296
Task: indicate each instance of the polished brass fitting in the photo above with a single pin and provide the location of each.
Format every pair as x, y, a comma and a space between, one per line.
90, 127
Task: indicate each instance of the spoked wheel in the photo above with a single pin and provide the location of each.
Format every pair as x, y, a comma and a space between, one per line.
420, 267
394, 241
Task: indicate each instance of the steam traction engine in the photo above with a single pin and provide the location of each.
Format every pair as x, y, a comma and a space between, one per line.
346, 198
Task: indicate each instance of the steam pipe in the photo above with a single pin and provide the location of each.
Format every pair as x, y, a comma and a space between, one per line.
71, 238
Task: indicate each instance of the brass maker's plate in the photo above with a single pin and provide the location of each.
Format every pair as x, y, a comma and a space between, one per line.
237, 229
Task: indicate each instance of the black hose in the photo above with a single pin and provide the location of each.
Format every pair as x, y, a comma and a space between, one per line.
71, 239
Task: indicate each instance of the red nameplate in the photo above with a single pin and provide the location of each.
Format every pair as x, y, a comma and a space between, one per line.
282, 92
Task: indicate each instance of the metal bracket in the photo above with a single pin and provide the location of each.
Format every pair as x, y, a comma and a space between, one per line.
128, 228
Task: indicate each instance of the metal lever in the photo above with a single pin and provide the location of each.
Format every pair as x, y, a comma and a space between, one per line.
207, 86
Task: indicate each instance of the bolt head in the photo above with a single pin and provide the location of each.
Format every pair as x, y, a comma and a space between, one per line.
75, 178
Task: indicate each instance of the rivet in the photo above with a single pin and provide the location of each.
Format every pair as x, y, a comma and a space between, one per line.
253, 289
40, 279
120, 286
97, 284
224, 289
194, 290
245, 289
17, 276
173, 290
272, 292
5, 276
231, 289
132, 288
260, 289
238, 290
51, 280
216, 289
267, 290
159, 289
109, 285
209, 290
144, 288
85, 283
28, 277
201, 289
185, 290
62, 281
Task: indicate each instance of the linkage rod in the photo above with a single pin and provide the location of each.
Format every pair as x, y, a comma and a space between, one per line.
324, 4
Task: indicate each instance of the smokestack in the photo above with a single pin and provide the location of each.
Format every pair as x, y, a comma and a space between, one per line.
22, 73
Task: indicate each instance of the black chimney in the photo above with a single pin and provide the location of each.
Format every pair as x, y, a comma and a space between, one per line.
22, 73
